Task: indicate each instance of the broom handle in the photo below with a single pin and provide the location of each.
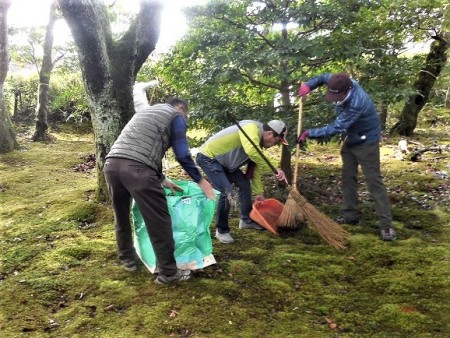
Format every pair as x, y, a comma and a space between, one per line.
297, 148
275, 171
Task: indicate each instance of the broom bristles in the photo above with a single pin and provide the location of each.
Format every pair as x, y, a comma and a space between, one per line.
329, 230
289, 216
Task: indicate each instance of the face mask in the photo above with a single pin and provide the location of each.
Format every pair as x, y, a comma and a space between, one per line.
339, 103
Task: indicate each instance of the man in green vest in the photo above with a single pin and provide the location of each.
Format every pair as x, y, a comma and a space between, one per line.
221, 158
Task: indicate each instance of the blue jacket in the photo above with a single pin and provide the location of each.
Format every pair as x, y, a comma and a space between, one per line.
357, 116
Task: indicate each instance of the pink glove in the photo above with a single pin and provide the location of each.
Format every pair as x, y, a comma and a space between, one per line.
281, 176
304, 90
302, 138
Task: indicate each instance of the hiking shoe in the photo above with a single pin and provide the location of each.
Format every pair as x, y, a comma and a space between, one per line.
129, 264
343, 220
388, 234
224, 238
251, 225
180, 276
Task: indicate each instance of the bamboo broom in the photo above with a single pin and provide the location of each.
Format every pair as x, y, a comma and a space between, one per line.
329, 230
291, 217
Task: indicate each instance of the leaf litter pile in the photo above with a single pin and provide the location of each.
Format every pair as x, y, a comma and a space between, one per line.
87, 165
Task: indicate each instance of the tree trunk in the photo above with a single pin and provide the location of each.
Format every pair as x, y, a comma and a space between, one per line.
17, 100
383, 114
287, 108
40, 133
436, 59
109, 67
7, 134
285, 150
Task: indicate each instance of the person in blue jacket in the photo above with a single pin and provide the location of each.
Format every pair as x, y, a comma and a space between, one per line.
358, 121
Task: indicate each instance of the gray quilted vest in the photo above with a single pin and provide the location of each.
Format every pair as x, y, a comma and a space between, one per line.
146, 137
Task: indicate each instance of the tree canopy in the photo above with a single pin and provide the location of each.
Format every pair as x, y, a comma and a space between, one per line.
241, 55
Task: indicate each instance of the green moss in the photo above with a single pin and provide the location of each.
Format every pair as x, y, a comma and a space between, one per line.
59, 261
76, 252
400, 317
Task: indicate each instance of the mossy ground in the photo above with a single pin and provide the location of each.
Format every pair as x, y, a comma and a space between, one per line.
59, 275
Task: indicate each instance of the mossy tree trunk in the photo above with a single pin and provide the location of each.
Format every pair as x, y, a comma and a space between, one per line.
109, 67
435, 62
7, 134
287, 107
40, 133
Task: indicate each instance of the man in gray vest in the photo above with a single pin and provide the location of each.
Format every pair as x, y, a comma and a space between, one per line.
133, 170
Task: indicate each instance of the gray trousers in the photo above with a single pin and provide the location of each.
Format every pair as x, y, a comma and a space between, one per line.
129, 179
368, 157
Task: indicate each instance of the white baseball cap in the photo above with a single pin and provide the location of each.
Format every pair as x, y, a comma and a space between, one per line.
280, 129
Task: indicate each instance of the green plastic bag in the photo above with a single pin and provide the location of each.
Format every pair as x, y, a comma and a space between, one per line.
191, 214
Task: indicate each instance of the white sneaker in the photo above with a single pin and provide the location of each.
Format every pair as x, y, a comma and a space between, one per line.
251, 225
224, 238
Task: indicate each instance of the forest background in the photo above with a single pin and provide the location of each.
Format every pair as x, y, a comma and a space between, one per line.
247, 57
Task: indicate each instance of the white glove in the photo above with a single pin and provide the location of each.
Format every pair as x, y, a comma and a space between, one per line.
146, 85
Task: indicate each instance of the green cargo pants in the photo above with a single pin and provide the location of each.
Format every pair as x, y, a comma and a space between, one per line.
368, 157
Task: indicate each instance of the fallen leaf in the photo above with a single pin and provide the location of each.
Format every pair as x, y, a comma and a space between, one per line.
110, 307
409, 309
173, 314
331, 324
